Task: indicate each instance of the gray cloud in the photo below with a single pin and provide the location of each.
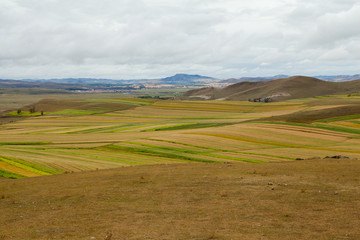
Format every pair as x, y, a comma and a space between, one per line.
154, 38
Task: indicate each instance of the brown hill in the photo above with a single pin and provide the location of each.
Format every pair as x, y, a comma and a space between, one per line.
279, 89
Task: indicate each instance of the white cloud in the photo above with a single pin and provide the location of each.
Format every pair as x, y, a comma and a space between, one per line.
333, 28
154, 38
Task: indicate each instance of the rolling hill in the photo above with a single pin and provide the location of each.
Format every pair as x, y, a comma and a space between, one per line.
279, 89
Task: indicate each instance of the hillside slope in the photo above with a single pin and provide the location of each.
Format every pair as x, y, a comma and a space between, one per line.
309, 199
279, 89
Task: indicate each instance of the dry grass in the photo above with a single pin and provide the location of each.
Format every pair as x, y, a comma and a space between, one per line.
310, 199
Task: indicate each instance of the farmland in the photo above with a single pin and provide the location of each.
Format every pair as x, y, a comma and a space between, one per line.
143, 168
98, 132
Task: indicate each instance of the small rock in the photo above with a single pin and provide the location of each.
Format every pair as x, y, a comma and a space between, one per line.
270, 183
272, 188
108, 236
336, 193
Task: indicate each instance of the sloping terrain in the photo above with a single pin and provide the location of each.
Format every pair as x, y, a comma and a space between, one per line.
279, 89
70, 106
335, 113
309, 199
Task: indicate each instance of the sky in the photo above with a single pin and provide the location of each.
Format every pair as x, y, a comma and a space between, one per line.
135, 39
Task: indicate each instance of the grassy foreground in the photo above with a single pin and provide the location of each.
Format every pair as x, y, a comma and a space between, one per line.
309, 199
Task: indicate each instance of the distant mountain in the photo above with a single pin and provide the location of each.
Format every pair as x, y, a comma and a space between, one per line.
185, 79
78, 80
279, 89
69, 85
338, 78
90, 84
7, 84
253, 79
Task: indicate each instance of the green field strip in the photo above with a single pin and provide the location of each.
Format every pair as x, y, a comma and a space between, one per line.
65, 121
122, 128
318, 126
51, 130
96, 129
140, 158
166, 153
24, 113
220, 110
157, 153
55, 157
172, 149
187, 126
77, 142
134, 127
223, 150
286, 145
98, 155
108, 160
44, 148
136, 102
24, 143
37, 166
341, 118
232, 158
292, 135
83, 158
309, 130
29, 166
73, 112
133, 116
172, 117
6, 174
38, 169
103, 161
182, 150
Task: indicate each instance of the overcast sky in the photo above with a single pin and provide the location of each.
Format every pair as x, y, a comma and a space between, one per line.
127, 39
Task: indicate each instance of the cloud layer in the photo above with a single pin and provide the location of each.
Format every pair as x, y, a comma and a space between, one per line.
156, 38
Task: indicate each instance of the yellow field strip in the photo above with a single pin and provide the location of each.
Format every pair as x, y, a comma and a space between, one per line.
14, 169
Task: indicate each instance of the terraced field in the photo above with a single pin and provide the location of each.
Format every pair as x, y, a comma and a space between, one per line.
103, 133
